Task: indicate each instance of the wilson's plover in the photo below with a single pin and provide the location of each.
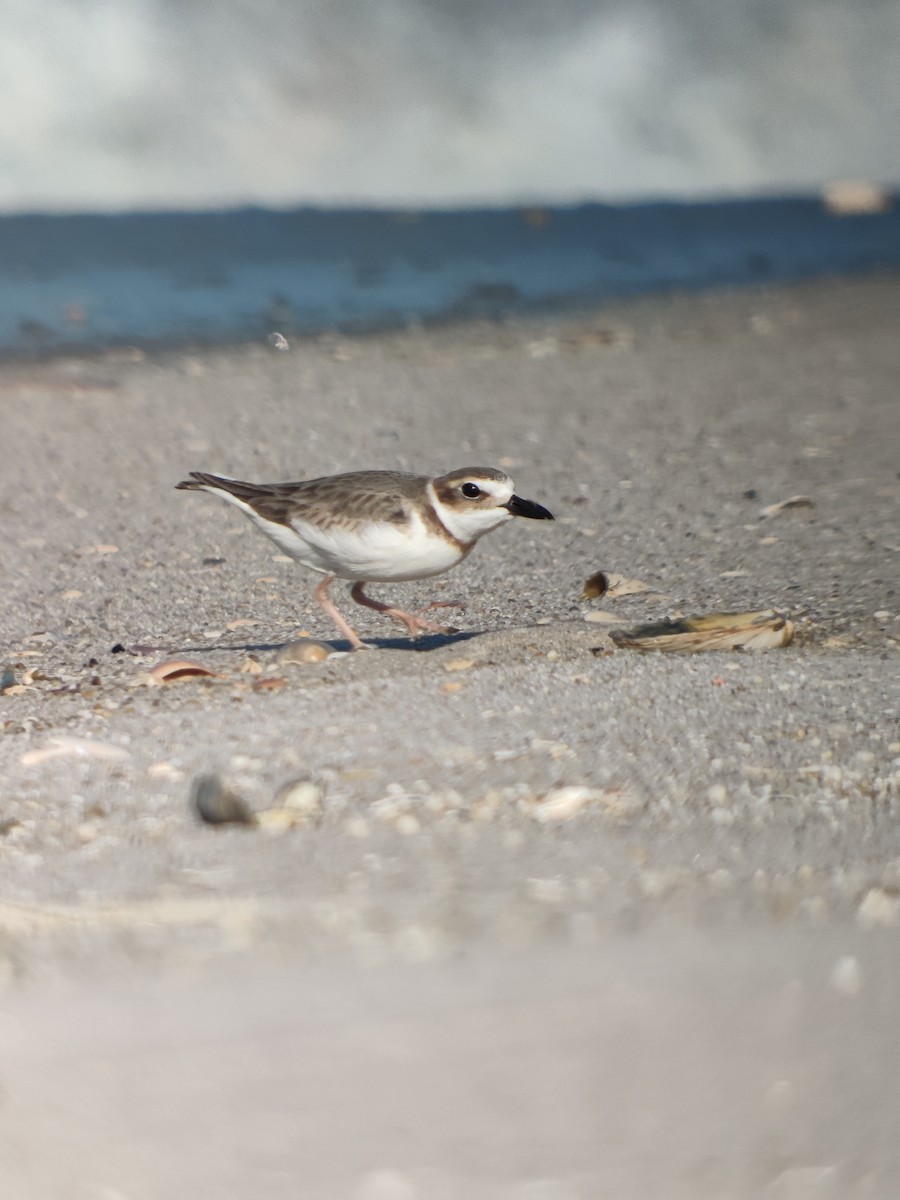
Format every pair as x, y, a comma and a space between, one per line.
377, 527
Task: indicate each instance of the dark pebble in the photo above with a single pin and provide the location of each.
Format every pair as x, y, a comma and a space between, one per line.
216, 805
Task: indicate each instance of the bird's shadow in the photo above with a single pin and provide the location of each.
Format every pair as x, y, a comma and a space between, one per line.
432, 641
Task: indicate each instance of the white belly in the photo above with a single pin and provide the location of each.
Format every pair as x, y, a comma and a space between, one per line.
379, 552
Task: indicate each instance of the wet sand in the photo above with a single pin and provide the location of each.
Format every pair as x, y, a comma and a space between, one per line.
743, 821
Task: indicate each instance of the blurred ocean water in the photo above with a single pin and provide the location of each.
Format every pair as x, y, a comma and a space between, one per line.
212, 277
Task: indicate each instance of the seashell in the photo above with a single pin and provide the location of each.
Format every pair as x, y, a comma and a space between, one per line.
303, 650
175, 669
564, 803
714, 631
772, 510
303, 796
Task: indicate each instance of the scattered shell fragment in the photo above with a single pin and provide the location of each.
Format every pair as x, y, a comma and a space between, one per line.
304, 797
298, 802
613, 586
566, 802
595, 586
620, 585
36, 675
459, 664
61, 746
278, 341
278, 820
165, 770
216, 805
269, 684
303, 650
715, 631
879, 909
242, 623
175, 669
772, 510
601, 616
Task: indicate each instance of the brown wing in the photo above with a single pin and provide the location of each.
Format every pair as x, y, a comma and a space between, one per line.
336, 499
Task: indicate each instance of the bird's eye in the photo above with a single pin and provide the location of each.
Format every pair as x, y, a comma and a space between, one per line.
471, 490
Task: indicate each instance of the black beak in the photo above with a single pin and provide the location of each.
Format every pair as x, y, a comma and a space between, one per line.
527, 508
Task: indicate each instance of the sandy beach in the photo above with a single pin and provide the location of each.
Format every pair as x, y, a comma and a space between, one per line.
709, 943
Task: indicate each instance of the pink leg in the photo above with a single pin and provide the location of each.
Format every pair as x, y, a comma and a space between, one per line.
413, 623
321, 594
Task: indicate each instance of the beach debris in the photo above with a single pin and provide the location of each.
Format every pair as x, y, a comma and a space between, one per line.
303, 650
298, 802
242, 623
174, 670
601, 616
772, 510
595, 586
879, 908
278, 341
277, 820
165, 770
714, 631
7, 679
612, 586
459, 664
269, 683
215, 804
61, 746
305, 797
855, 198
35, 675
564, 803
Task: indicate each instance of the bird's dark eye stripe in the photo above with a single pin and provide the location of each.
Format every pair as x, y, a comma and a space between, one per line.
471, 490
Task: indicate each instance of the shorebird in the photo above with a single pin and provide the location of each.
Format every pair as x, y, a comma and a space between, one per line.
377, 527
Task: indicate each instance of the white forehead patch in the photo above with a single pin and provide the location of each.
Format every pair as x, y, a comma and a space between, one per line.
500, 489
